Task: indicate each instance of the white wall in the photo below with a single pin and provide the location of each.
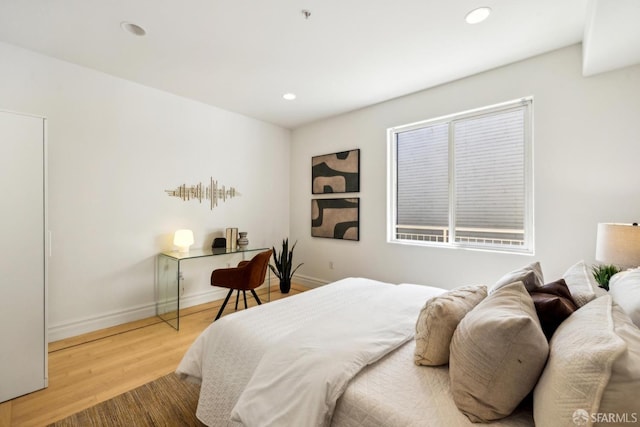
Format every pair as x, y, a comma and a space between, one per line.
586, 145
114, 147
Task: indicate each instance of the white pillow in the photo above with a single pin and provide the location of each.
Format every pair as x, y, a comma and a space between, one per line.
497, 354
581, 284
438, 320
624, 288
593, 368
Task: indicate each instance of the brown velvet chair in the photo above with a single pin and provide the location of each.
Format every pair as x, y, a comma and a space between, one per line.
247, 276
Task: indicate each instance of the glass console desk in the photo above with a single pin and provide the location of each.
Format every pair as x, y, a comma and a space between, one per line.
169, 272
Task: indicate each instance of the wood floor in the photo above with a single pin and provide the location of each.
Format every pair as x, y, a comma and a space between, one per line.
95, 367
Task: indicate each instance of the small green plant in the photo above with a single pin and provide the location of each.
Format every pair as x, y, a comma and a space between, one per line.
602, 274
284, 262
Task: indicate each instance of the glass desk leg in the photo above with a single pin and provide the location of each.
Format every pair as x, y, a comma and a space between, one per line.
168, 290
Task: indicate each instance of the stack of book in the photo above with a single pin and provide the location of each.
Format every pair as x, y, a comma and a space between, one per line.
232, 238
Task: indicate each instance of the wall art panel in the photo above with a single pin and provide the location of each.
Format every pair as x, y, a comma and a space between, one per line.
336, 173
336, 218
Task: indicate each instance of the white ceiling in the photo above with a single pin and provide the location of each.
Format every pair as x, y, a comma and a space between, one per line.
243, 55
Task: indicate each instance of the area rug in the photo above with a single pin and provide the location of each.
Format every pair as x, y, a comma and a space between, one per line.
167, 401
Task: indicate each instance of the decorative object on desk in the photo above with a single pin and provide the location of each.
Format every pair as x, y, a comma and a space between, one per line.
219, 242
603, 272
618, 244
232, 238
336, 218
198, 192
283, 261
336, 173
243, 242
183, 239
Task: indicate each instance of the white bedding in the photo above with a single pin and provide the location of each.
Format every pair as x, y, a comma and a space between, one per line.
304, 374
397, 392
392, 391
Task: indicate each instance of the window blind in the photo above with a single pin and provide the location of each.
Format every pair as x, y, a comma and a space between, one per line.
464, 179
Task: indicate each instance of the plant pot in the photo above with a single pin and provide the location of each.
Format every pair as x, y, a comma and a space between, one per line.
285, 286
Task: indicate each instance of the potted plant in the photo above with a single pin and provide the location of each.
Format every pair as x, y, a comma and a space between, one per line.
602, 274
282, 269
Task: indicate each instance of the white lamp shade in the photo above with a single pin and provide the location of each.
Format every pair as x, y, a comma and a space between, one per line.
183, 239
618, 244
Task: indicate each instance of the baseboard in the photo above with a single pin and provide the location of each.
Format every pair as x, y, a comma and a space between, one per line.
310, 282
107, 320
115, 318
202, 297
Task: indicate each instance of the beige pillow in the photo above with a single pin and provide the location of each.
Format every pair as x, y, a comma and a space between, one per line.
497, 354
593, 368
582, 285
438, 320
530, 276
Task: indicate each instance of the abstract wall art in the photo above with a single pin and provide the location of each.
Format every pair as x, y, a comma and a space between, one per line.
336, 173
336, 218
198, 192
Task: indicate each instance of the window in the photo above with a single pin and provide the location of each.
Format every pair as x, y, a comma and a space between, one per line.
464, 180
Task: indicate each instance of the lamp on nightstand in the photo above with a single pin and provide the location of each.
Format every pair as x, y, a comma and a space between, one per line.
618, 244
183, 239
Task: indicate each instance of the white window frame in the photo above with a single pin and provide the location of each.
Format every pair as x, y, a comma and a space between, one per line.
528, 247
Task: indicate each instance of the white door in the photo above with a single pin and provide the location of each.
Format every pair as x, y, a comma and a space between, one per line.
23, 352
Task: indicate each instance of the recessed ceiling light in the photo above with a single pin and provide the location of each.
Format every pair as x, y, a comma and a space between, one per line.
478, 15
134, 29
289, 96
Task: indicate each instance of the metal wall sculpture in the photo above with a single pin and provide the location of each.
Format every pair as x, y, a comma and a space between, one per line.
200, 192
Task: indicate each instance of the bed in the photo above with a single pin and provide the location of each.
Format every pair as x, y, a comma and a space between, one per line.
346, 355
384, 388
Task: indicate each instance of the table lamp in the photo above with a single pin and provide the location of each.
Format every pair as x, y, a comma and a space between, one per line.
618, 244
183, 239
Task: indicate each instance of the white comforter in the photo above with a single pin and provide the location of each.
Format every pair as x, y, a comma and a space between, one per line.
391, 392
299, 379
225, 357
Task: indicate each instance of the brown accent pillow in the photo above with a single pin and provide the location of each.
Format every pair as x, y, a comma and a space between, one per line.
553, 303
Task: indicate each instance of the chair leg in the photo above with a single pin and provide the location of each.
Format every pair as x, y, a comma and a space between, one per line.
255, 296
223, 305
244, 295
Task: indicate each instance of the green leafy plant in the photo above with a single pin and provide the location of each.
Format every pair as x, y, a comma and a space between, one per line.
602, 274
283, 268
